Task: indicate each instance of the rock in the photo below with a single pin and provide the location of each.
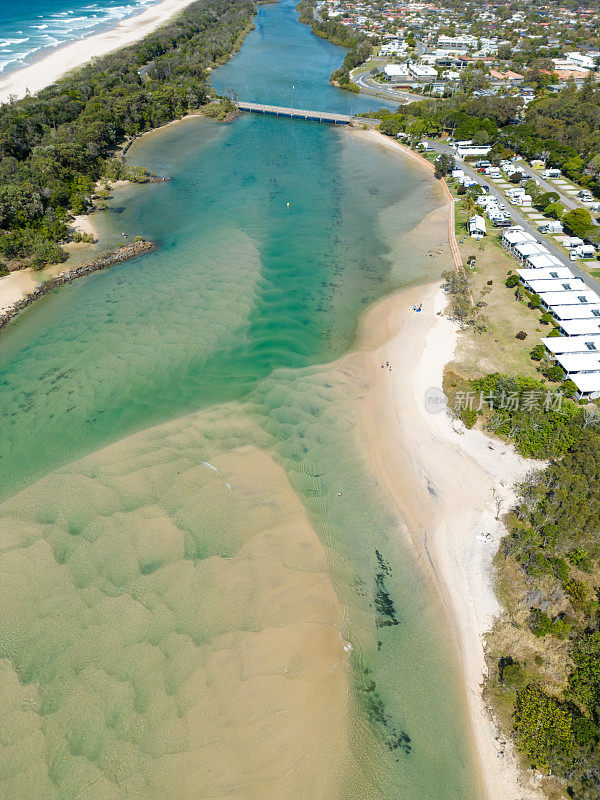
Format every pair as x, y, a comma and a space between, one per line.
116, 257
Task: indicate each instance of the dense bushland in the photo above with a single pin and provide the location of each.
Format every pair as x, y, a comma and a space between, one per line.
55, 145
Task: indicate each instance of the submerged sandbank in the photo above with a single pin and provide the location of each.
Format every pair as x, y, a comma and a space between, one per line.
170, 626
42, 73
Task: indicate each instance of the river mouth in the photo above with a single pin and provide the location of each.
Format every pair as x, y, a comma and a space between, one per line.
191, 533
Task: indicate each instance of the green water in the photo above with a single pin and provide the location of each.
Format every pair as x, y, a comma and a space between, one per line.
138, 583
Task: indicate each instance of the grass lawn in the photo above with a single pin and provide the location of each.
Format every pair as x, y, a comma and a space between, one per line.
496, 349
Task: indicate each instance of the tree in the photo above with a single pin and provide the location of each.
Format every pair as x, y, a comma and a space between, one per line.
554, 210
444, 164
578, 222
543, 727
543, 200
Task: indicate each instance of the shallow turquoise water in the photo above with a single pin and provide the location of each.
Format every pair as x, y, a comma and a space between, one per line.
274, 235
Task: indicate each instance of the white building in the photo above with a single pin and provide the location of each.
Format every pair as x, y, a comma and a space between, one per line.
542, 261
421, 72
542, 287
559, 345
396, 72
477, 226
580, 327
556, 273
560, 299
577, 59
570, 312
588, 384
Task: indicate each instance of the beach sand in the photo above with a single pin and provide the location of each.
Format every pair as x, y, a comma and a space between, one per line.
443, 480
446, 482
15, 286
47, 70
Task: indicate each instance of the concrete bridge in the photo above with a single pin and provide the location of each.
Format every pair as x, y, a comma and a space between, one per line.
297, 113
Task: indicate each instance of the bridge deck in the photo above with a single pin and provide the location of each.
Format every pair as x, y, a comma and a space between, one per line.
300, 113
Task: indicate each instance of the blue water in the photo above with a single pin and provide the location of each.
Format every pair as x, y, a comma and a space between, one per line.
295, 74
33, 28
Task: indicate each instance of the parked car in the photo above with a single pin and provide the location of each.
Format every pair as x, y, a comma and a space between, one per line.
550, 173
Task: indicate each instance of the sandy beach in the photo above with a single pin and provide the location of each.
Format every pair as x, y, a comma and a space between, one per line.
444, 481
15, 286
448, 483
47, 70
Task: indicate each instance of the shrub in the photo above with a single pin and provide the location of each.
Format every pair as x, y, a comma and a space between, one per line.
554, 373
521, 335
580, 559
584, 681
512, 281
585, 732
569, 387
535, 301
538, 352
541, 624
578, 594
468, 416
543, 727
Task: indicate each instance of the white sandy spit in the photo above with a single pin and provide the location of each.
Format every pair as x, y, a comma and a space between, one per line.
47, 70
446, 482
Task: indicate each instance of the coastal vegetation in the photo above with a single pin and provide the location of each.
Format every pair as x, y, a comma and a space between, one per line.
544, 652
56, 145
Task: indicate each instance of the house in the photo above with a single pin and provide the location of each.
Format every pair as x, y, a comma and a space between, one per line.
579, 60
574, 363
556, 273
576, 75
559, 345
508, 78
590, 326
559, 299
542, 287
542, 261
523, 250
577, 312
588, 385
514, 236
477, 226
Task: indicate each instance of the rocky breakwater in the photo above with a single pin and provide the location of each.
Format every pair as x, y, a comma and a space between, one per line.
124, 253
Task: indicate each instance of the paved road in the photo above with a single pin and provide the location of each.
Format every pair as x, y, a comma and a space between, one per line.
567, 200
520, 219
364, 81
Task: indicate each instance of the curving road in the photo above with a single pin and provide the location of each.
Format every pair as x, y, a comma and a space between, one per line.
367, 84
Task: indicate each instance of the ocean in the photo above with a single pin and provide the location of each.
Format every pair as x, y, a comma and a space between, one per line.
32, 29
